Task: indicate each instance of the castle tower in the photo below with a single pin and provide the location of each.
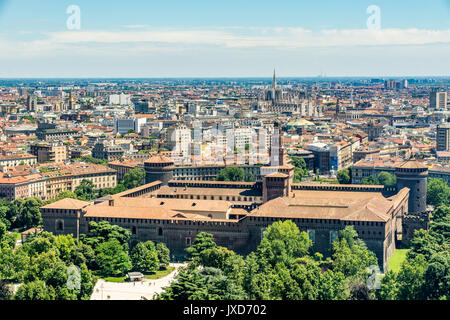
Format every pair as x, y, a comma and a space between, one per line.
413, 175
159, 168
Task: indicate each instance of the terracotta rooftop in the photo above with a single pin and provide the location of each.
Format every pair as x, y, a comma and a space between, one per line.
349, 206
67, 203
159, 158
412, 164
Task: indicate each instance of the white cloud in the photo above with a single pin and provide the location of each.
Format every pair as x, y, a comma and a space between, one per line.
255, 37
281, 38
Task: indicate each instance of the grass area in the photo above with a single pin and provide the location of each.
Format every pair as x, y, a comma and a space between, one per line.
397, 259
160, 273
115, 279
152, 276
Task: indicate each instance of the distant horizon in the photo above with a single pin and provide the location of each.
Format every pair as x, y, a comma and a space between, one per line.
230, 77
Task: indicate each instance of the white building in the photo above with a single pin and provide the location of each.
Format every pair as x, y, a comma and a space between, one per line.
123, 126
120, 99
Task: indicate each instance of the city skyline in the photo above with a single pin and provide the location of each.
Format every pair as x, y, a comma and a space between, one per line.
235, 40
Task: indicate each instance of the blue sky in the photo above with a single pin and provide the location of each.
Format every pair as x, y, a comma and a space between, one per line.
230, 38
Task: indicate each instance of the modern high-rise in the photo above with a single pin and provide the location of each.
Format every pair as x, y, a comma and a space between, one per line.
438, 100
443, 137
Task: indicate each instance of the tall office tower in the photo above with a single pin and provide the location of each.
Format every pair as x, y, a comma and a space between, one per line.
443, 137
438, 100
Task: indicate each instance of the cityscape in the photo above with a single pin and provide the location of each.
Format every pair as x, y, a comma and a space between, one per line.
247, 187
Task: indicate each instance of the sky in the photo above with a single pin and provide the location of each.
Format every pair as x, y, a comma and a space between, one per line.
245, 38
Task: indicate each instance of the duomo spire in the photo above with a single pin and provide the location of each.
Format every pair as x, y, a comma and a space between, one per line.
274, 83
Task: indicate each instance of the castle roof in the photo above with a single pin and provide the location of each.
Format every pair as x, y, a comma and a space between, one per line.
67, 203
159, 158
412, 164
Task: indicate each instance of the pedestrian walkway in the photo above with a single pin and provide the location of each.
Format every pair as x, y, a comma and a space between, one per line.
147, 288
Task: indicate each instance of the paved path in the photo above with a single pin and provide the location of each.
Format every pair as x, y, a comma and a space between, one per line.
104, 290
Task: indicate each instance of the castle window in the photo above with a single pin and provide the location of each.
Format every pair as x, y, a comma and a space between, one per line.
59, 225
133, 230
160, 231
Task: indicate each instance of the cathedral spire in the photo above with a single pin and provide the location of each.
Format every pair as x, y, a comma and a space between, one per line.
274, 83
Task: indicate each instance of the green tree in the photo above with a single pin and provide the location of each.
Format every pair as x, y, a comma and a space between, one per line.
144, 257
343, 176
231, 174
5, 290
203, 241
2, 230
298, 162
85, 190
441, 213
215, 257
35, 290
112, 259
387, 179
283, 242
163, 255
389, 287
350, 254
103, 231
189, 285
438, 192
371, 180
65, 244
133, 178
25, 213
411, 279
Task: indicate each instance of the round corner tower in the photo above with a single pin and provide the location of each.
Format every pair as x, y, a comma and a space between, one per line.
159, 168
413, 175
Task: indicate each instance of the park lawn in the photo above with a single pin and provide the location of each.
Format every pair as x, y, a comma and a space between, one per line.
160, 273
153, 276
397, 259
115, 279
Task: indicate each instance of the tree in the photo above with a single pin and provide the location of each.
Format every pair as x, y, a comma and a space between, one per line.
85, 190
35, 290
283, 242
203, 241
343, 176
438, 192
25, 213
370, 180
133, 178
437, 276
215, 257
387, 179
103, 231
144, 257
388, 287
249, 177
350, 254
231, 174
5, 290
2, 230
112, 259
189, 285
411, 279
298, 162
65, 244
441, 213
163, 255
